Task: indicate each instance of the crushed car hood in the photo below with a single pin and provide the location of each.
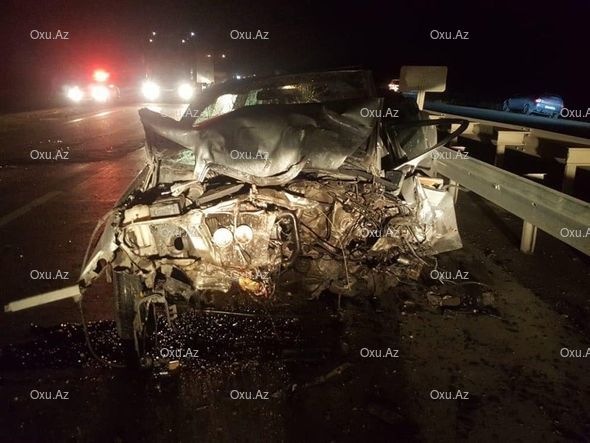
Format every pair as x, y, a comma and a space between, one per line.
261, 141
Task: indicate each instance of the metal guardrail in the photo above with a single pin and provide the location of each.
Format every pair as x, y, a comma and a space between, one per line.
572, 151
562, 216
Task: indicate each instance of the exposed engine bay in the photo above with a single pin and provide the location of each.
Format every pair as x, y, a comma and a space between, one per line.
336, 233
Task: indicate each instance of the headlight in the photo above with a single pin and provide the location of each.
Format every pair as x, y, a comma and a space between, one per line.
75, 94
222, 237
186, 91
244, 234
100, 93
100, 75
150, 90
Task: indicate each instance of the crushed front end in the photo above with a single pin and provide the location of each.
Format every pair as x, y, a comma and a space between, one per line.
291, 185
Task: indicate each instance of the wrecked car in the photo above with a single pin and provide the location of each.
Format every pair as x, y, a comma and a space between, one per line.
311, 183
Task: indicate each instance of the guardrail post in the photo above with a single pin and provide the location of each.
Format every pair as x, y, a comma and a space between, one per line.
472, 129
454, 189
575, 157
539, 206
528, 238
507, 138
420, 97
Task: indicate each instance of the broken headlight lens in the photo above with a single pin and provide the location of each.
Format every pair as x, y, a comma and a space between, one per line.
222, 237
244, 234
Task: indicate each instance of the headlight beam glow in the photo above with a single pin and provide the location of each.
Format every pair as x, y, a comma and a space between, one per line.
100, 93
150, 90
186, 91
75, 94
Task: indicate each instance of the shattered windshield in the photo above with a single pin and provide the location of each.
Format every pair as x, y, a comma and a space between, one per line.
283, 90
261, 141
263, 127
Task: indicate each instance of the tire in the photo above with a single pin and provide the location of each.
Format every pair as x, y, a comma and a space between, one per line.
505, 106
526, 110
126, 288
555, 115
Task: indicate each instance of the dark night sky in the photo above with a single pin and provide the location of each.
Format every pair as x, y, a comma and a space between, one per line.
525, 46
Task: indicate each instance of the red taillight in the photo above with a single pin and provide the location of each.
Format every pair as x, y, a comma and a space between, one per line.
100, 75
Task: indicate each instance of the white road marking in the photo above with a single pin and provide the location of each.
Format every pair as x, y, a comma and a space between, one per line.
26, 208
100, 114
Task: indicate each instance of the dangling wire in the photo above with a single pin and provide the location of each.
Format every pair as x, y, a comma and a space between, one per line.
89, 344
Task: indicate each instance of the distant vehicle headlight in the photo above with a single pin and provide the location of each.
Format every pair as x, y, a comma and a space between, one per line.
243, 234
150, 90
185, 91
222, 237
75, 94
100, 93
100, 75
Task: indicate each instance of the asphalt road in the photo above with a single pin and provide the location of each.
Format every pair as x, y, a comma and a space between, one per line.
60, 171
499, 339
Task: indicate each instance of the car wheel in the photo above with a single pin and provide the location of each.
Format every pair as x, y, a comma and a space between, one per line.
505, 106
555, 115
126, 288
526, 110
